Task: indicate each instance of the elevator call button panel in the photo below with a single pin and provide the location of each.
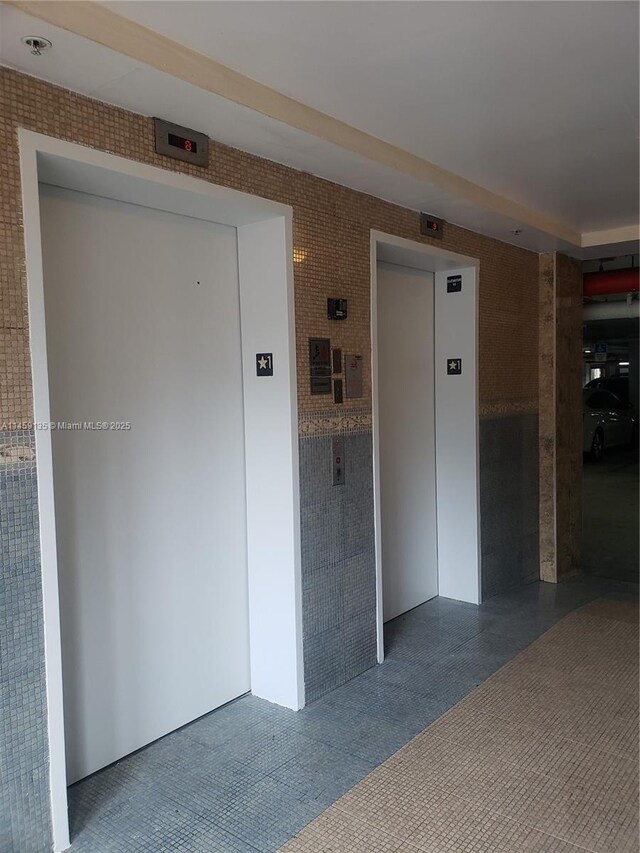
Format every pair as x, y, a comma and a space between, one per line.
337, 448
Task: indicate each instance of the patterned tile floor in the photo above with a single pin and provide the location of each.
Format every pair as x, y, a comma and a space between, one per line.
541, 758
251, 775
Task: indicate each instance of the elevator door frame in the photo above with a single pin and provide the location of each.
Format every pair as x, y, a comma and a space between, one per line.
456, 415
265, 266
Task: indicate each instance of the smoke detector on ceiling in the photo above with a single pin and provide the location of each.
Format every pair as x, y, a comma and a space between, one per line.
36, 44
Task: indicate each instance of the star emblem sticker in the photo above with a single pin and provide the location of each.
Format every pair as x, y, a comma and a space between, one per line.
264, 364
453, 365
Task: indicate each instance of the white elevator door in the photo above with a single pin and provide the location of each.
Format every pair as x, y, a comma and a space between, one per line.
143, 326
406, 414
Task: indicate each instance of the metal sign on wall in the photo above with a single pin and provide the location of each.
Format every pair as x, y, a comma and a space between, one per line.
454, 283
320, 365
353, 375
601, 351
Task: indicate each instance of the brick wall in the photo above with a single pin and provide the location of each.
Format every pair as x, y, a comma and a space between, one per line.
331, 228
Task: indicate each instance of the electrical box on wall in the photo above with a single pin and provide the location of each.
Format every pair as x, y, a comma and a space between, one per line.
337, 309
181, 143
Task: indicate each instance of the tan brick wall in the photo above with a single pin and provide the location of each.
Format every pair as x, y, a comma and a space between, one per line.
331, 225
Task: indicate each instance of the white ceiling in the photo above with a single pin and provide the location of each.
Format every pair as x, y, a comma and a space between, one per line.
536, 101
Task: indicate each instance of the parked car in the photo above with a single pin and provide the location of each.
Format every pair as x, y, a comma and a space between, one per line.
618, 383
607, 421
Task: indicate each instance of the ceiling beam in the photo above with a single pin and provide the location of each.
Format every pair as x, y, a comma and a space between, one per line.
626, 234
99, 24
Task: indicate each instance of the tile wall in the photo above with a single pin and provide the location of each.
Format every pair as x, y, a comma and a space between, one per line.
332, 227
338, 561
24, 817
508, 503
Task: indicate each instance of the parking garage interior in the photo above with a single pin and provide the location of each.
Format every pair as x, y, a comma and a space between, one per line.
610, 477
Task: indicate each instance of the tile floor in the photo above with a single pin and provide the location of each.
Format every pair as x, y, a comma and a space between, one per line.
541, 758
251, 775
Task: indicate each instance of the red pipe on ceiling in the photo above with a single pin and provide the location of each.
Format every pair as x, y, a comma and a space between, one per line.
612, 281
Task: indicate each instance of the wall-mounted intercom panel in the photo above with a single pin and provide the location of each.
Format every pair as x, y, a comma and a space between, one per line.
337, 309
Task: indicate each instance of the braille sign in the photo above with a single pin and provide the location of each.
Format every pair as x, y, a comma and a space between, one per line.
264, 364
454, 366
454, 283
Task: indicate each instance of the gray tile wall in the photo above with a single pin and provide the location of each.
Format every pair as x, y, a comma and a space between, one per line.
338, 580
509, 501
338, 563
24, 782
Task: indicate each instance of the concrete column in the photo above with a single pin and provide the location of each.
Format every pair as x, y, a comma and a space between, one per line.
560, 416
